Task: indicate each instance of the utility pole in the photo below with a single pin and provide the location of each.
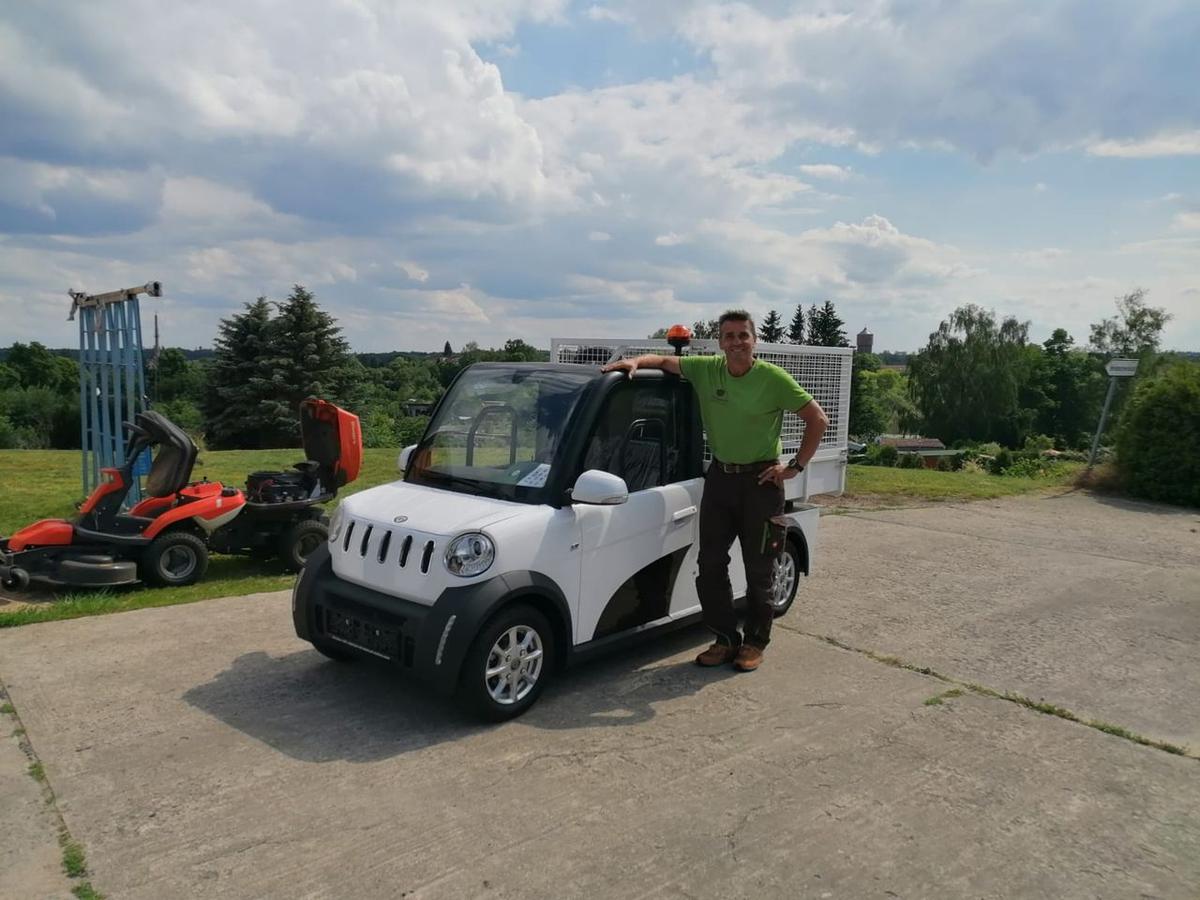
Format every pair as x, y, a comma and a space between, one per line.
1116, 368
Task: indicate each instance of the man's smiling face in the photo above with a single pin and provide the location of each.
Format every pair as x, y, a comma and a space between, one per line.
737, 341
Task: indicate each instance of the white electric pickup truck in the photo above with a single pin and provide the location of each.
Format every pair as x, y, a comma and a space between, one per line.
548, 513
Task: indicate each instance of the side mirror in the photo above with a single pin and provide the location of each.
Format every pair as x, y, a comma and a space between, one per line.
405, 458
599, 489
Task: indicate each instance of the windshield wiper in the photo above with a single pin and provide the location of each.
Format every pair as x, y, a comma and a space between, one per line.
470, 485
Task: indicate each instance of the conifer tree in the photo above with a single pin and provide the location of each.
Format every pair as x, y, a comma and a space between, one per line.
308, 358
825, 327
241, 363
771, 329
796, 329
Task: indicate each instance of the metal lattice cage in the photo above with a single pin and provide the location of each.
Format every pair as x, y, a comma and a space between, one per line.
822, 371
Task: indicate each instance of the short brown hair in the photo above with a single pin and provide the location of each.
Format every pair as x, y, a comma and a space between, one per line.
735, 315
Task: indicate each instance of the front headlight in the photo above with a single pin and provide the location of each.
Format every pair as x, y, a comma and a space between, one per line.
470, 554
335, 524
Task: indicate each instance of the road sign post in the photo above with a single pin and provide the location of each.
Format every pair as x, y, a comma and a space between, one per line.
1116, 368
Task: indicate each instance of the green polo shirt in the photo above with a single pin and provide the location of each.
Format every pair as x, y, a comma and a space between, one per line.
743, 416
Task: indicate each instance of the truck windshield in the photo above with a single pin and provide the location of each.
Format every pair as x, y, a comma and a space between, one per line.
498, 430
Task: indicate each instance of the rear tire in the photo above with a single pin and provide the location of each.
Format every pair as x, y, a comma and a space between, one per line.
174, 559
508, 665
785, 578
299, 541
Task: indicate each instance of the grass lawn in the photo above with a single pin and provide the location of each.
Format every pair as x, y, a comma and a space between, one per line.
886, 486
39, 484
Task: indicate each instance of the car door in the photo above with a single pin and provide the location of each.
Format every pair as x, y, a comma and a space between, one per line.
638, 557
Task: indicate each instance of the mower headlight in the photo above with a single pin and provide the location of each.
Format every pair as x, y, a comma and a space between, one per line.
335, 524
470, 554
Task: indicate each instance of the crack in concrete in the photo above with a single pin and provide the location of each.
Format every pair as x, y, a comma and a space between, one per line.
1032, 545
64, 837
1040, 706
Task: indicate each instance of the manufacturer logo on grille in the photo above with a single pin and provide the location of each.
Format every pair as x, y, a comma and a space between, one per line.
399, 520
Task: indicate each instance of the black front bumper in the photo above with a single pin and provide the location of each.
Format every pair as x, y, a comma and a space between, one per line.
430, 642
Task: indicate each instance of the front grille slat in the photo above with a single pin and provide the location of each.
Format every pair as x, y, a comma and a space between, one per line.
360, 532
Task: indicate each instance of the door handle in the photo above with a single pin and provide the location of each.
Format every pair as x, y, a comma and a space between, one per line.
680, 515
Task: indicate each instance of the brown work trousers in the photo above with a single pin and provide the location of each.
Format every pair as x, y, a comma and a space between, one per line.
735, 505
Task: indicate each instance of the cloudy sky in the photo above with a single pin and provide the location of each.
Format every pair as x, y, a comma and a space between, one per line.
487, 169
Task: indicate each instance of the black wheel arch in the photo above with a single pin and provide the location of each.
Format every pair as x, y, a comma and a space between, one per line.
795, 536
474, 604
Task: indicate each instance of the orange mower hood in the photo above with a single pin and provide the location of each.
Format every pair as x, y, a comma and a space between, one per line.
332, 438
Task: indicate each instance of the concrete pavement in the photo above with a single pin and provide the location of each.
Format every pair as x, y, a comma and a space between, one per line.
202, 750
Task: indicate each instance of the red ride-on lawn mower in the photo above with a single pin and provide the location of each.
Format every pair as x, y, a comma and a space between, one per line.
162, 540
166, 537
282, 516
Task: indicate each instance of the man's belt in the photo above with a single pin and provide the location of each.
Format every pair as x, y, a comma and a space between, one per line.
738, 468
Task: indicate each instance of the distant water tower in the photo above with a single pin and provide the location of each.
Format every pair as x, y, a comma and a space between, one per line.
866, 341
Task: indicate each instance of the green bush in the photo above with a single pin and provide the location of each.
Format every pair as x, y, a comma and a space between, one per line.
880, 455
1158, 437
909, 461
1000, 462
1039, 442
183, 413
1031, 467
8, 435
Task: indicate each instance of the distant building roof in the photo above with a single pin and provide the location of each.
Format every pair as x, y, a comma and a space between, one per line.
912, 443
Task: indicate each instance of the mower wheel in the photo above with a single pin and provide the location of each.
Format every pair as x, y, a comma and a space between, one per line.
15, 580
174, 559
299, 541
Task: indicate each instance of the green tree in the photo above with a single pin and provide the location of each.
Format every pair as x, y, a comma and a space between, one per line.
308, 358
446, 351
771, 329
1135, 330
237, 373
1158, 436
965, 383
1069, 385
8, 377
35, 366
706, 330
175, 377
795, 332
516, 350
825, 327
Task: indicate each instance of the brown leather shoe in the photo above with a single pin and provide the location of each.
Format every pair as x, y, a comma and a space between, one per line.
716, 655
748, 658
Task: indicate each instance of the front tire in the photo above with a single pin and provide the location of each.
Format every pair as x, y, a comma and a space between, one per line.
785, 578
301, 540
508, 664
174, 559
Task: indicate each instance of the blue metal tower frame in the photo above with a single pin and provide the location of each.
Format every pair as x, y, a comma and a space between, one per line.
112, 384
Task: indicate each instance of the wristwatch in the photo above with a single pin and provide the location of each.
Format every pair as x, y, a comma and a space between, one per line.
793, 463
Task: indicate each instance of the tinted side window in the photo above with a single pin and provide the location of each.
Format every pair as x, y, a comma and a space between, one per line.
642, 435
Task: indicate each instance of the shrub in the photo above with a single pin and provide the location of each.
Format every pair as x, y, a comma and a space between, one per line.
1031, 467
1000, 462
379, 429
1158, 437
909, 461
8, 435
887, 455
1039, 442
183, 413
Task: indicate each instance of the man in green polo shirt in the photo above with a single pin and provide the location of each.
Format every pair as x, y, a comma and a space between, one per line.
742, 402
